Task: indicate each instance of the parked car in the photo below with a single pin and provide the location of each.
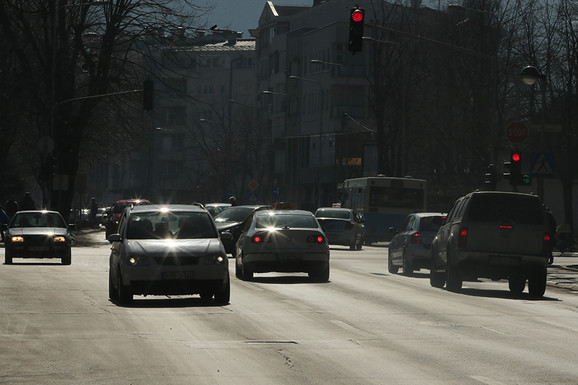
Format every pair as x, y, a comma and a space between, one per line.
342, 226
282, 241
497, 235
215, 208
115, 211
232, 221
410, 246
167, 250
37, 234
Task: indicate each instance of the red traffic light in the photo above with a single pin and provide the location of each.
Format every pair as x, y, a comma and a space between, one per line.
357, 15
515, 157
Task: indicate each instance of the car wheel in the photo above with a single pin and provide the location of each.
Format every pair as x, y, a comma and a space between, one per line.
407, 267
67, 259
8, 258
436, 279
223, 295
124, 292
360, 242
238, 269
392, 269
537, 283
453, 277
112, 291
321, 274
246, 274
517, 283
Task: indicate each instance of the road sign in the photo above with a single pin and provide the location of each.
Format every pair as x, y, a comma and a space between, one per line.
516, 132
542, 164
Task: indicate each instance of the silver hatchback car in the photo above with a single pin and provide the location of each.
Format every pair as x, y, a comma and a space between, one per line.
169, 249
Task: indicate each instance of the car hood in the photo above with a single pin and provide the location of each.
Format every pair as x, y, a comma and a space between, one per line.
175, 246
38, 231
227, 225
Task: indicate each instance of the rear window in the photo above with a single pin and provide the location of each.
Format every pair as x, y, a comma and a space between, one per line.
286, 220
512, 208
432, 223
328, 213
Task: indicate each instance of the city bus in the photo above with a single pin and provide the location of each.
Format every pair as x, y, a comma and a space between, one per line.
384, 202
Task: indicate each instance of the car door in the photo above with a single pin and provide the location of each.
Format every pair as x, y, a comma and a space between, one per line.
443, 237
116, 248
397, 243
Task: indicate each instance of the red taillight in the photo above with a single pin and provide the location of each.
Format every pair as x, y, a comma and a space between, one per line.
415, 238
547, 238
463, 237
316, 239
548, 243
258, 238
506, 227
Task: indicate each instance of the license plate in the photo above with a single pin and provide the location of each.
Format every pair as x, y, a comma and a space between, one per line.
38, 248
178, 275
289, 257
505, 261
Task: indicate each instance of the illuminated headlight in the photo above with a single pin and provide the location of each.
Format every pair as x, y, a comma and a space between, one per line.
59, 239
214, 260
137, 260
17, 239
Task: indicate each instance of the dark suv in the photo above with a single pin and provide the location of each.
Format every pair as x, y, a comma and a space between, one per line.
497, 235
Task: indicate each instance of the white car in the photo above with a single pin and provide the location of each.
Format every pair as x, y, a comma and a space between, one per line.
282, 241
168, 250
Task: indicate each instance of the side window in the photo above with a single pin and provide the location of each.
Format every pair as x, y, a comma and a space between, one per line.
411, 225
453, 211
248, 223
462, 208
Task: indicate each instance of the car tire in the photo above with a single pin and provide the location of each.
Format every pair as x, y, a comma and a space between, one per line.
517, 283
125, 295
238, 269
246, 274
112, 291
8, 258
392, 269
437, 279
321, 274
454, 278
359, 243
67, 259
537, 283
223, 294
407, 267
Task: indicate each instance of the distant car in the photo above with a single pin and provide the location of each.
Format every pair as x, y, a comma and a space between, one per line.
167, 250
115, 211
342, 226
216, 208
232, 221
37, 234
410, 246
282, 241
496, 235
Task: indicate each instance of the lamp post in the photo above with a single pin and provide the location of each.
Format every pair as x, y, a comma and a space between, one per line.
530, 76
322, 102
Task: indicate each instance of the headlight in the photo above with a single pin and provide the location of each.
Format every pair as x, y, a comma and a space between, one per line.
215, 260
59, 239
17, 239
138, 260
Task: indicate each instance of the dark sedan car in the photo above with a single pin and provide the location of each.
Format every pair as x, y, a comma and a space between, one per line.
37, 234
232, 221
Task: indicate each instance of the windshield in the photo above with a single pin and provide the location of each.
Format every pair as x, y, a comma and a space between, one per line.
234, 214
286, 221
38, 220
171, 225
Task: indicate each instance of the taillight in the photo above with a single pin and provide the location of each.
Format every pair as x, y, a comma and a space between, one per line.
463, 237
547, 243
318, 238
258, 238
415, 238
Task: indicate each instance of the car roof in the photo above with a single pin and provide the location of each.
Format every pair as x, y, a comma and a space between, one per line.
170, 207
335, 208
133, 200
38, 211
217, 204
428, 214
283, 212
502, 193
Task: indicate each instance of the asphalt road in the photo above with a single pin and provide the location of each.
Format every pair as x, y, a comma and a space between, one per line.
365, 326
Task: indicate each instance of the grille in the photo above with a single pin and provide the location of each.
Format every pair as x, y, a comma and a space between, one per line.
176, 261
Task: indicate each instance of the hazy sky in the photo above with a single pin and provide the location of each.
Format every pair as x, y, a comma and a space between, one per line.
240, 15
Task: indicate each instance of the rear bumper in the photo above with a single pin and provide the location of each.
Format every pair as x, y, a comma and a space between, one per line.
287, 263
497, 266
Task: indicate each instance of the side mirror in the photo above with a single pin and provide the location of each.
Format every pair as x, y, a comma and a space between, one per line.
71, 226
114, 238
226, 236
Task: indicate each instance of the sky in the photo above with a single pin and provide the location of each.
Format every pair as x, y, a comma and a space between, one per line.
241, 15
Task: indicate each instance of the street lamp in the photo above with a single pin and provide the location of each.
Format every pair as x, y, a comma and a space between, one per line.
322, 102
531, 75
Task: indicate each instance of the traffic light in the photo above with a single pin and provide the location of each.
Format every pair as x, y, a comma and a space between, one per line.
515, 168
526, 180
148, 96
356, 22
490, 177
